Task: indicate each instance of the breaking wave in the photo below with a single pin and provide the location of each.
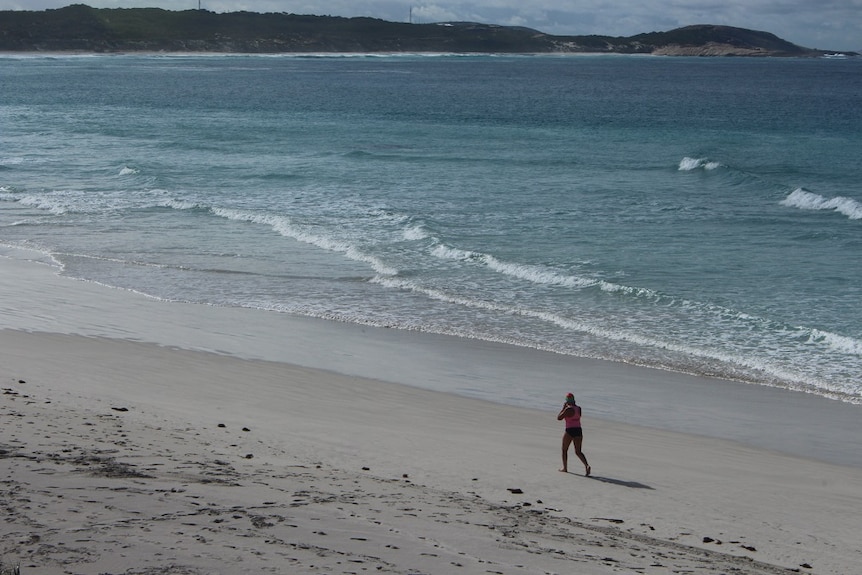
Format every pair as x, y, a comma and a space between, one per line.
805, 200
689, 164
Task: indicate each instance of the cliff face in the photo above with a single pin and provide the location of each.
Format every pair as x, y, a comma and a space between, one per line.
84, 29
711, 49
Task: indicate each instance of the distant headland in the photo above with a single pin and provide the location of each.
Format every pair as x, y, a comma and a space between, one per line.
80, 28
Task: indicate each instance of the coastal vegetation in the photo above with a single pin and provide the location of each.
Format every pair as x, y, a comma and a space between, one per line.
82, 28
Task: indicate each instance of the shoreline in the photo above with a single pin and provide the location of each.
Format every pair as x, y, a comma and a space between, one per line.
696, 52
336, 55
130, 456
759, 416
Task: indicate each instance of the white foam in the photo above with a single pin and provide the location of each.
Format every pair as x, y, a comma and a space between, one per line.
179, 204
127, 171
537, 274
688, 164
61, 202
445, 252
415, 233
575, 325
805, 200
30, 254
733, 363
836, 342
43, 203
285, 227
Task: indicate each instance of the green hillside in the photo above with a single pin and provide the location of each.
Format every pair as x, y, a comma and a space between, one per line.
85, 29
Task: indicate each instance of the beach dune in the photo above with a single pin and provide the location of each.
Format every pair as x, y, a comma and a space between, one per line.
126, 457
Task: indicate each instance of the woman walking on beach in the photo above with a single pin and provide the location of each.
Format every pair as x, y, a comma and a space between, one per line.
571, 412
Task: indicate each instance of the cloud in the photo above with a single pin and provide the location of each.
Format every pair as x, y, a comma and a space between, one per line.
433, 13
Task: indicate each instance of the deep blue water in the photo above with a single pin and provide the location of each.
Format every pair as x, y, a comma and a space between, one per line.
694, 214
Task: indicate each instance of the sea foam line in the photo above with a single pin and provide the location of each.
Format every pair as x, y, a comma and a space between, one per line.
830, 342
805, 200
71, 201
734, 362
537, 274
540, 275
283, 226
51, 205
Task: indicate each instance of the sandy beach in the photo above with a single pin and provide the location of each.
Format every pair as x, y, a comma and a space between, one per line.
124, 457
126, 453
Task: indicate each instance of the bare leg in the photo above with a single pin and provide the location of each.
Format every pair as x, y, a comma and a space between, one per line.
578, 441
567, 440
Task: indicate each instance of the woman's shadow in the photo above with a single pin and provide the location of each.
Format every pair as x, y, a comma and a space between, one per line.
612, 481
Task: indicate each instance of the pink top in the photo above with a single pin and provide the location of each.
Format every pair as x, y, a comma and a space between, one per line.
575, 419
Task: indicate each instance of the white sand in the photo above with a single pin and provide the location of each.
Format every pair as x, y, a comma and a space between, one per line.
344, 475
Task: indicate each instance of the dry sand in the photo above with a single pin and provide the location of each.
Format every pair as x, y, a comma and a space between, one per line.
124, 457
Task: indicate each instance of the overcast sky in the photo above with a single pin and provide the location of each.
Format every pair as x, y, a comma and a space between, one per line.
824, 24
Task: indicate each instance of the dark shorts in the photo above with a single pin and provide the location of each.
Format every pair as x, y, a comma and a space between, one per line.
575, 431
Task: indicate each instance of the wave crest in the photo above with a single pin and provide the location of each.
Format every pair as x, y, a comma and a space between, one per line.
836, 342
538, 274
51, 205
689, 164
805, 200
283, 226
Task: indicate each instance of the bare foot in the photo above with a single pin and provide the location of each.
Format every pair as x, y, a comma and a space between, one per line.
564, 470
589, 469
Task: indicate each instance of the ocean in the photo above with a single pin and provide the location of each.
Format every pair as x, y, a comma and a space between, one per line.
695, 215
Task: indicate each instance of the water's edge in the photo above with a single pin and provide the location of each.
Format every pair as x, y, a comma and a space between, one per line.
38, 300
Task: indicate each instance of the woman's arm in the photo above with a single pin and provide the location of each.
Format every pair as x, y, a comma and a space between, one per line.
567, 410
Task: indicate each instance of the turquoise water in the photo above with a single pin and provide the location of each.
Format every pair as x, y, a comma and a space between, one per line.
696, 215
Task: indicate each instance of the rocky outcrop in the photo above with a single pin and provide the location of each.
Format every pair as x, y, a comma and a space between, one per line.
711, 40
710, 49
